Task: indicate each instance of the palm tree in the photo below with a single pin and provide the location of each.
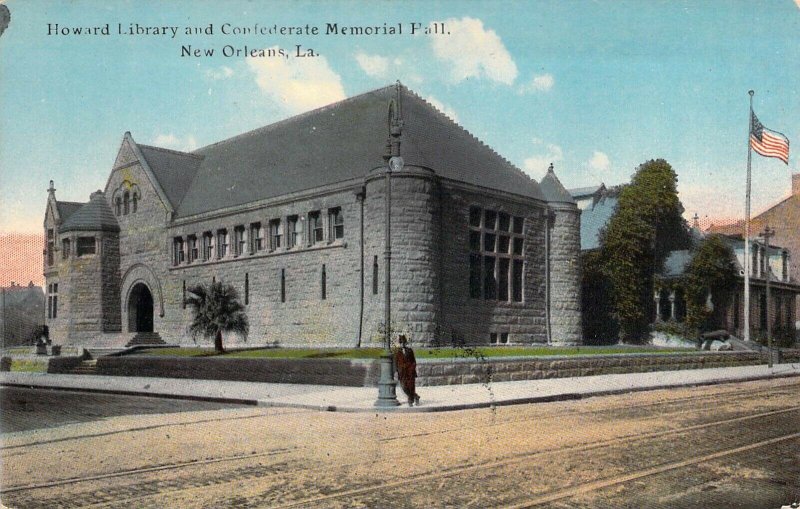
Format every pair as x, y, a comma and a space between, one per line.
216, 309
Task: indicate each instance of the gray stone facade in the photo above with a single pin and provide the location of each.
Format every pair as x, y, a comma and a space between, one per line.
327, 289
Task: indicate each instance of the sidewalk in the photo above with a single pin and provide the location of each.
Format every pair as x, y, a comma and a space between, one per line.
361, 399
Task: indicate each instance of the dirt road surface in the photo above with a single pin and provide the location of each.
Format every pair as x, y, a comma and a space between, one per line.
727, 446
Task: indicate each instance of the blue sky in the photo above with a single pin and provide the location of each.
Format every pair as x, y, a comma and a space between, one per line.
596, 87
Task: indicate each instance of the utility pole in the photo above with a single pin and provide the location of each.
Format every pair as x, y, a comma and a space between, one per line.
766, 234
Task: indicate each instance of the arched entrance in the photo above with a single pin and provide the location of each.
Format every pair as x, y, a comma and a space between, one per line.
140, 309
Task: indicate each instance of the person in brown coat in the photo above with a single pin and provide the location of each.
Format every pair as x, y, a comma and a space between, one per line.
407, 370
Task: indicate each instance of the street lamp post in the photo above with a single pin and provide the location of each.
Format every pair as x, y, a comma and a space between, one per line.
387, 395
766, 234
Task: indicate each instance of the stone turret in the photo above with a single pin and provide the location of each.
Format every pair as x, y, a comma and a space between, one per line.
563, 263
89, 270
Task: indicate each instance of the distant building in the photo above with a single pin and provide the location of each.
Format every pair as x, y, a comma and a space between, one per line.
292, 215
784, 218
21, 314
598, 204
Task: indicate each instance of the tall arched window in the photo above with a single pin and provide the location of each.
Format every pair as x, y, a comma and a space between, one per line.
126, 199
135, 200
118, 205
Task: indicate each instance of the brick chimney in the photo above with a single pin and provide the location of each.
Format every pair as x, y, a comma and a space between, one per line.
795, 184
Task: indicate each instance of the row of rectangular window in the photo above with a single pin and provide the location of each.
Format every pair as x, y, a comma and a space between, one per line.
254, 241
493, 220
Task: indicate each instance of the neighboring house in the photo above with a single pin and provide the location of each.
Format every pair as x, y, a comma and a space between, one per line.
599, 203
292, 215
784, 218
21, 314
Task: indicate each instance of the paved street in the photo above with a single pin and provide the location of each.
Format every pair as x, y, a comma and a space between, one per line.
733, 445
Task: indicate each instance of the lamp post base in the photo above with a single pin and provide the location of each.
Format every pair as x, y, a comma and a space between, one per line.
387, 395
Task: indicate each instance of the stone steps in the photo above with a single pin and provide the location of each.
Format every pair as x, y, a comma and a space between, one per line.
88, 367
146, 338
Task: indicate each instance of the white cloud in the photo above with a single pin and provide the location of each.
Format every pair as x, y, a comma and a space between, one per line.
186, 144
220, 74
298, 84
539, 83
374, 65
439, 105
474, 52
599, 162
536, 165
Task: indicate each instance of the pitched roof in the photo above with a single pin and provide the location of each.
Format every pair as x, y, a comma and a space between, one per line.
553, 190
93, 216
594, 218
174, 170
584, 192
334, 144
67, 208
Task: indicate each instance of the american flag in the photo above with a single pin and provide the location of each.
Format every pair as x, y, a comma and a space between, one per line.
767, 142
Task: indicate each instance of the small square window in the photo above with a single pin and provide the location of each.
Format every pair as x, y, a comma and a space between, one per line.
505, 222
502, 244
504, 338
86, 246
493, 338
518, 243
490, 220
475, 241
518, 222
488, 241
475, 217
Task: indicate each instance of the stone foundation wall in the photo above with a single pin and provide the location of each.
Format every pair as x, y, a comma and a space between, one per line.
364, 373
468, 371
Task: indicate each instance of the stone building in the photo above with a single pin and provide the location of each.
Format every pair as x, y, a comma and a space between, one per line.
292, 215
21, 314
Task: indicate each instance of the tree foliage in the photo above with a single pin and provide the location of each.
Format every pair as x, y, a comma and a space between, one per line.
711, 269
645, 227
216, 309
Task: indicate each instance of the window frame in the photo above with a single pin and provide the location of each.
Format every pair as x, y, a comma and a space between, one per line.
80, 250
316, 230
336, 222
496, 247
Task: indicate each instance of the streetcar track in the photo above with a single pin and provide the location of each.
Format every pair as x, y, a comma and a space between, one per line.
647, 472
515, 459
141, 428
560, 413
146, 470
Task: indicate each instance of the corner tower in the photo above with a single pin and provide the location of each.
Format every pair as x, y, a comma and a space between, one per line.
563, 275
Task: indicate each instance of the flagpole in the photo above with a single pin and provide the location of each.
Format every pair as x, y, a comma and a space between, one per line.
747, 226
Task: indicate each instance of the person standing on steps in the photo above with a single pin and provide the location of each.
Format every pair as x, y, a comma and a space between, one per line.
407, 370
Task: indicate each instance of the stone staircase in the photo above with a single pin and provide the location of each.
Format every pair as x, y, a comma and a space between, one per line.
86, 367
146, 338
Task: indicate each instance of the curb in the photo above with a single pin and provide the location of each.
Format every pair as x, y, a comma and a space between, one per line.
567, 396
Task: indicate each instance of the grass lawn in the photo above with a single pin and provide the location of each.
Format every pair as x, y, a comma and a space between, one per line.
29, 366
421, 353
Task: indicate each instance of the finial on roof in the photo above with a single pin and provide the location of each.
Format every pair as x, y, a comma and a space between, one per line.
696, 221
52, 188
550, 168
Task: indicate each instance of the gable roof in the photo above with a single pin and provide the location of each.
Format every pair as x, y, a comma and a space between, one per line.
93, 216
67, 208
335, 144
174, 170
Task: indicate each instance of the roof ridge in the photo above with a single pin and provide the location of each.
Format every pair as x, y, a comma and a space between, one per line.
292, 118
172, 151
72, 202
443, 115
